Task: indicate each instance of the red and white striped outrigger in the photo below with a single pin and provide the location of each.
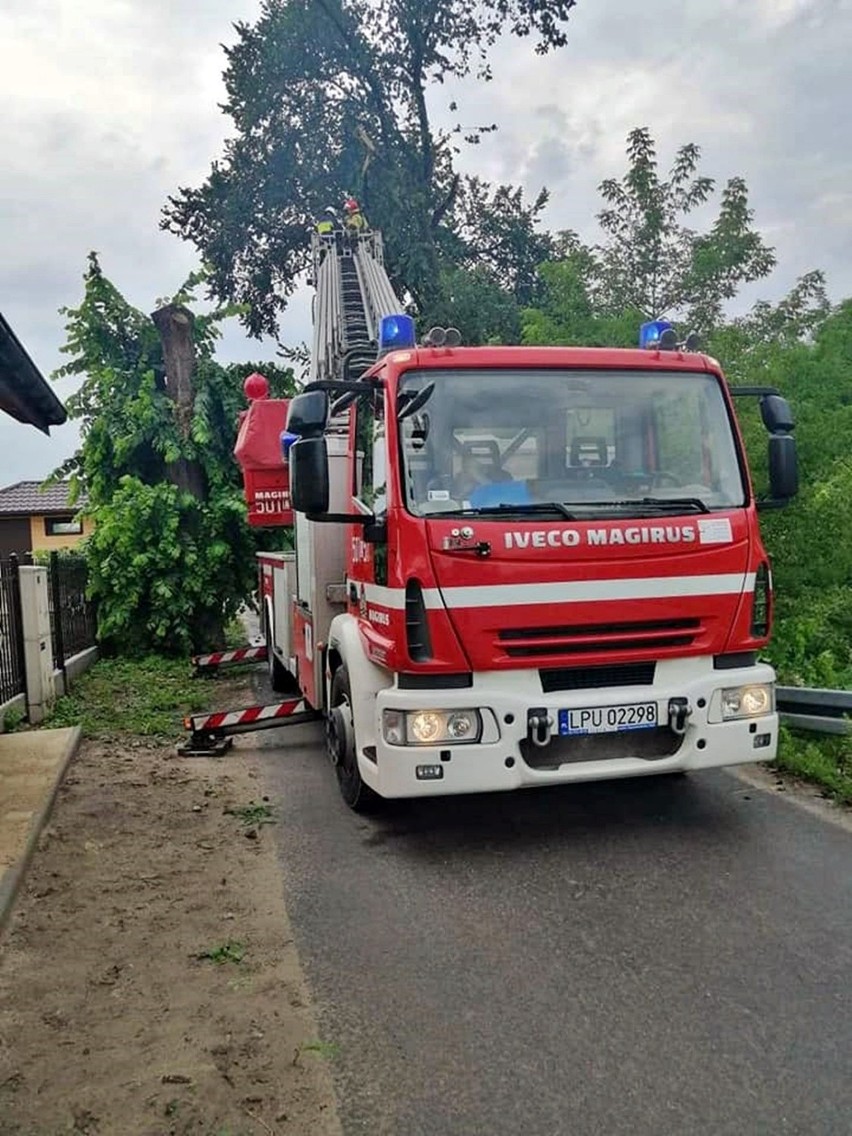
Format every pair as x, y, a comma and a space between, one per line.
212, 734
229, 658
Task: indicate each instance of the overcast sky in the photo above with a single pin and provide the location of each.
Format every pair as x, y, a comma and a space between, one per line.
108, 107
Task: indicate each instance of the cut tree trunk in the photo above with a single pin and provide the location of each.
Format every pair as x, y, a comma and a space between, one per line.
175, 326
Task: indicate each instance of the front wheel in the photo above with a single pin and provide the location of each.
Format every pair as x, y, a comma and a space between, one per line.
340, 740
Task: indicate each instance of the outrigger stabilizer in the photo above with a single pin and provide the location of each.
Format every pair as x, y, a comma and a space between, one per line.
211, 735
228, 658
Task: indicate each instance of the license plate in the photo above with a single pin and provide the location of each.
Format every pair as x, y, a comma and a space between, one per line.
608, 719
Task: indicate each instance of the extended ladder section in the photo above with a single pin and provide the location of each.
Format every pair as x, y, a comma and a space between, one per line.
353, 294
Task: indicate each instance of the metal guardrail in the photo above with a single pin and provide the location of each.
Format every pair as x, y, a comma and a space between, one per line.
814, 710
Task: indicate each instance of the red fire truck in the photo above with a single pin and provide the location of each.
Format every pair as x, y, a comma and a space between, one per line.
514, 566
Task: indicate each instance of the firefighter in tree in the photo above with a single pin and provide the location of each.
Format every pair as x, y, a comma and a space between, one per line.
327, 223
353, 219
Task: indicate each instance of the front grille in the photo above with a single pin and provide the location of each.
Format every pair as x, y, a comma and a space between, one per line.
586, 638
648, 745
591, 678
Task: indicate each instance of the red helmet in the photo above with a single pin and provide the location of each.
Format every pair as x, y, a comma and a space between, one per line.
351, 205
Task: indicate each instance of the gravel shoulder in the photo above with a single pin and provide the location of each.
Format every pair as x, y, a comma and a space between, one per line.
112, 1021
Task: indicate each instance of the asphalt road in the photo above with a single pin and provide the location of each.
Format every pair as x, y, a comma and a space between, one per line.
652, 957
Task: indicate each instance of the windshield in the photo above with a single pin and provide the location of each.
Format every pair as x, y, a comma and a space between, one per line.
589, 443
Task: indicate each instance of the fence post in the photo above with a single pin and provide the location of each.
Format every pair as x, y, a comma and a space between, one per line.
58, 637
38, 652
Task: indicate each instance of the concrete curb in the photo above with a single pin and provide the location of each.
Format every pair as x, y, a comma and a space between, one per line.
13, 877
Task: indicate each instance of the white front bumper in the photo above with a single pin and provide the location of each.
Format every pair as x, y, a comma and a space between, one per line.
509, 695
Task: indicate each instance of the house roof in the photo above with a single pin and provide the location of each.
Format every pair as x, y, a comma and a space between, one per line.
24, 391
26, 498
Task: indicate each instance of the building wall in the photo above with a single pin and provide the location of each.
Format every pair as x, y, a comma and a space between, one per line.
41, 542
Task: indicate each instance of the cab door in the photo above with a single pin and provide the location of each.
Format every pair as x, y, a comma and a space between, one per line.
368, 569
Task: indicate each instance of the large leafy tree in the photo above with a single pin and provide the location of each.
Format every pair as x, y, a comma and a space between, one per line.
171, 556
650, 260
330, 96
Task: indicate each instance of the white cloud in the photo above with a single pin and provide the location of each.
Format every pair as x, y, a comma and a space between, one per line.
109, 107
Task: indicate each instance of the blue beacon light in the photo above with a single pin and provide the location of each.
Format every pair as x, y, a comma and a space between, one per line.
651, 333
287, 440
396, 332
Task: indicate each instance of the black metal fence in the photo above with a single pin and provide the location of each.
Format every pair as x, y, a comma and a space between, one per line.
73, 621
12, 673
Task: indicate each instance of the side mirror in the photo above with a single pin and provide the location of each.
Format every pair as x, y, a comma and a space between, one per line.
783, 467
308, 414
776, 414
309, 491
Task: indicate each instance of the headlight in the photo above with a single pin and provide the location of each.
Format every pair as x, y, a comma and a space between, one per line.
431, 727
747, 701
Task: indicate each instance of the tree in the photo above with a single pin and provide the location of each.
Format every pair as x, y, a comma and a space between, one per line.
494, 228
566, 313
330, 97
811, 541
472, 300
171, 555
750, 344
652, 262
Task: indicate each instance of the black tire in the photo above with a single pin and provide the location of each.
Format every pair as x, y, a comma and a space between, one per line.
340, 742
280, 679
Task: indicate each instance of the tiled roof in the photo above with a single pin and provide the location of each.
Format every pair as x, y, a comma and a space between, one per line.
27, 497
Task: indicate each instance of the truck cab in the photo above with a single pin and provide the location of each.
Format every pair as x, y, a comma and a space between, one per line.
552, 567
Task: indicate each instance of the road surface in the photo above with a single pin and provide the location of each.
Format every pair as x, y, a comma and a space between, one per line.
650, 958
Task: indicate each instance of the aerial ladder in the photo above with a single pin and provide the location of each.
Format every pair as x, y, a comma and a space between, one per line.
352, 295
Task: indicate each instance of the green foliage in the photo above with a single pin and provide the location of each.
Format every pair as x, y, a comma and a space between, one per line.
651, 261
162, 565
811, 541
13, 719
567, 315
231, 951
473, 301
167, 568
329, 98
495, 229
253, 814
326, 1049
144, 697
652, 264
827, 761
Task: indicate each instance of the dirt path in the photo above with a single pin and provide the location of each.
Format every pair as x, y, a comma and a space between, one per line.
110, 1021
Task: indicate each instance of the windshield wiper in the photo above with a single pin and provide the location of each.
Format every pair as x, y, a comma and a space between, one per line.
521, 507
668, 504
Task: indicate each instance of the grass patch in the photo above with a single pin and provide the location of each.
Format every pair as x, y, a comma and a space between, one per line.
826, 762
144, 697
252, 815
325, 1049
232, 951
13, 719
235, 634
